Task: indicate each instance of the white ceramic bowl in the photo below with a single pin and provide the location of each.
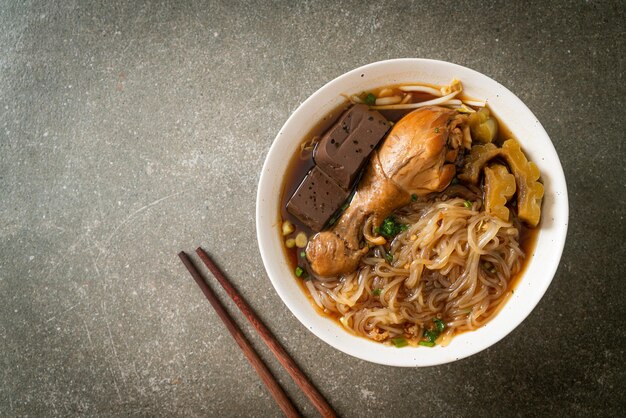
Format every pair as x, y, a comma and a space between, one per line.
524, 126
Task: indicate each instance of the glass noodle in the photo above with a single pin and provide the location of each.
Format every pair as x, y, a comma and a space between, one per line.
453, 262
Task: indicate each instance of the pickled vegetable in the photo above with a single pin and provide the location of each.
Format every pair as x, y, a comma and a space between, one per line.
484, 127
476, 160
529, 189
499, 188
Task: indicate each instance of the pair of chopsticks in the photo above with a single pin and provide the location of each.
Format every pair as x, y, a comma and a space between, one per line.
292, 368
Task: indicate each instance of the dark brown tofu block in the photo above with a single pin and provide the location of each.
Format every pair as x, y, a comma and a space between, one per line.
316, 199
344, 148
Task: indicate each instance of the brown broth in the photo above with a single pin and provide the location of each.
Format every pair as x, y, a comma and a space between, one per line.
299, 166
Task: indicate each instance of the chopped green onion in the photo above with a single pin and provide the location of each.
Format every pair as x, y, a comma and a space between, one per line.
389, 257
376, 292
302, 254
299, 271
431, 335
370, 99
390, 228
467, 204
427, 343
436, 130
414, 197
440, 325
399, 342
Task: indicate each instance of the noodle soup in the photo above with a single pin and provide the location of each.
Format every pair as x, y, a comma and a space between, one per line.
443, 262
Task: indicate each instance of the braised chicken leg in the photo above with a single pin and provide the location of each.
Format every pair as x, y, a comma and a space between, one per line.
416, 158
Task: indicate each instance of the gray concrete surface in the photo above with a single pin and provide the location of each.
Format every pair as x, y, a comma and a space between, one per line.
132, 130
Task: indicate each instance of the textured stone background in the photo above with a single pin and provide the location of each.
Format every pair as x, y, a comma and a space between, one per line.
132, 130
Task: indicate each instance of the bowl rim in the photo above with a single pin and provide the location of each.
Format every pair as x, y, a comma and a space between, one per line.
321, 101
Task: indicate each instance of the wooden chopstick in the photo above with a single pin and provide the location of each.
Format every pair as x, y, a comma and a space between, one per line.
277, 392
285, 359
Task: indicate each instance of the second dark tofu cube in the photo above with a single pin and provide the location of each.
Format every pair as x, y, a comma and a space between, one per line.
316, 199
